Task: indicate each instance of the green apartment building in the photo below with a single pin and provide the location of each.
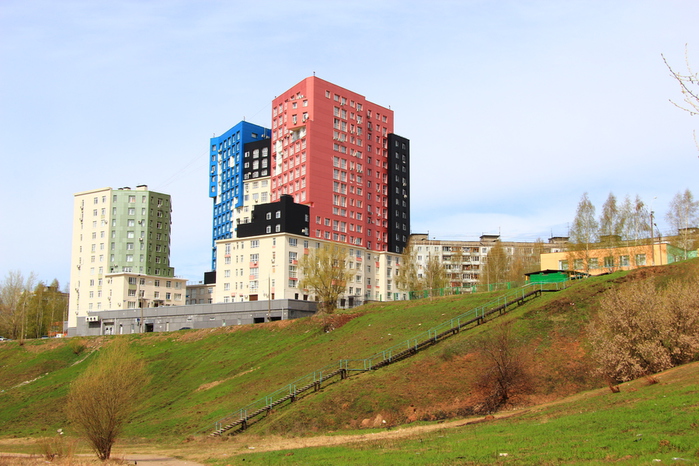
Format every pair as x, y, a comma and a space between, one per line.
118, 233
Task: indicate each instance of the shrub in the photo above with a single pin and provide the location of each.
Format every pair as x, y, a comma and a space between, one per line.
641, 329
57, 447
507, 374
102, 399
77, 345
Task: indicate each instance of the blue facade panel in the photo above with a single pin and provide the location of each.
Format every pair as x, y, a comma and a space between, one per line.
226, 177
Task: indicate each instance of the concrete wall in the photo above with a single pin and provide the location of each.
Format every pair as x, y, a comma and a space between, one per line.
170, 318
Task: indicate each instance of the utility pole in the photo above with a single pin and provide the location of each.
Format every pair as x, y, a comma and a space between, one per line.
652, 237
269, 296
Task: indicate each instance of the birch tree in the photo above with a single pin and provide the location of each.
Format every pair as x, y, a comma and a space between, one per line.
583, 234
683, 216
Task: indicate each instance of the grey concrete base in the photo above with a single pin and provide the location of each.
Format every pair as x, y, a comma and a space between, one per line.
169, 318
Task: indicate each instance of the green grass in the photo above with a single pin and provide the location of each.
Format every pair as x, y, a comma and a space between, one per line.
641, 424
200, 376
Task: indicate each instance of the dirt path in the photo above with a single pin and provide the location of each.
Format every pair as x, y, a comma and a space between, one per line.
198, 452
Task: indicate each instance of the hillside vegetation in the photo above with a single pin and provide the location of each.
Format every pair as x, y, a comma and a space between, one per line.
199, 376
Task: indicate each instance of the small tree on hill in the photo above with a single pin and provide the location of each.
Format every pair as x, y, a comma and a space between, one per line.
507, 374
103, 398
325, 273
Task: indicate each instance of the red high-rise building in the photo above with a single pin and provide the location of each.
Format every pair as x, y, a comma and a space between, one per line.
335, 151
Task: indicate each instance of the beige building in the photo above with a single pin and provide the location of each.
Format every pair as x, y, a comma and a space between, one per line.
464, 260
599, 260
199, 293
267, 267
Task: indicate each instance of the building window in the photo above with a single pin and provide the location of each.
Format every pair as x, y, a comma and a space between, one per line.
640, 259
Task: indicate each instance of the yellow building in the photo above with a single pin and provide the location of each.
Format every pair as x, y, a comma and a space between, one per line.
599, 260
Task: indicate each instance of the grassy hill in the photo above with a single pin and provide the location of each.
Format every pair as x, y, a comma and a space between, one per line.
200, 376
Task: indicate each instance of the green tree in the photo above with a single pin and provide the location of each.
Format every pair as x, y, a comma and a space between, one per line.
326, 273
15, 294
683, 216
45, 310
583, 234
102, 400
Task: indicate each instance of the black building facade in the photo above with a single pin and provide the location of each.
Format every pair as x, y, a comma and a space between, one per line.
284, 216
256, 159
398, 192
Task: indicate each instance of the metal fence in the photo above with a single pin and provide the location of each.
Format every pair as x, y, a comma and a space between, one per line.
402, 350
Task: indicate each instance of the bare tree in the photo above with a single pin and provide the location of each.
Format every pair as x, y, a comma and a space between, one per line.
456, 262
583, 234
102, 400
407, 278
689, 86
507, 373
683, 216
636, 223
435, 275
326, 274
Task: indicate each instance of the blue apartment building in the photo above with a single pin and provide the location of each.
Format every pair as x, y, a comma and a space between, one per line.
226, 176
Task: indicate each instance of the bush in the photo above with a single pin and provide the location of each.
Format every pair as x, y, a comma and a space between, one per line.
102, 399
57, 447
507, 374
77, 345
641, 329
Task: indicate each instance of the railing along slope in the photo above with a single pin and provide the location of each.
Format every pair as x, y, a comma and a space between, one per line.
242, 418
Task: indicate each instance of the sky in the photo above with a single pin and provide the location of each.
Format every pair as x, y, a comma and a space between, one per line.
514, 108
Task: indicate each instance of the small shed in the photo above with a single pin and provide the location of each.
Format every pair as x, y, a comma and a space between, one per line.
554, 276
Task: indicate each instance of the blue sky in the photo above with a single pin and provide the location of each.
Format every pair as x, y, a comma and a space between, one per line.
514, 109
